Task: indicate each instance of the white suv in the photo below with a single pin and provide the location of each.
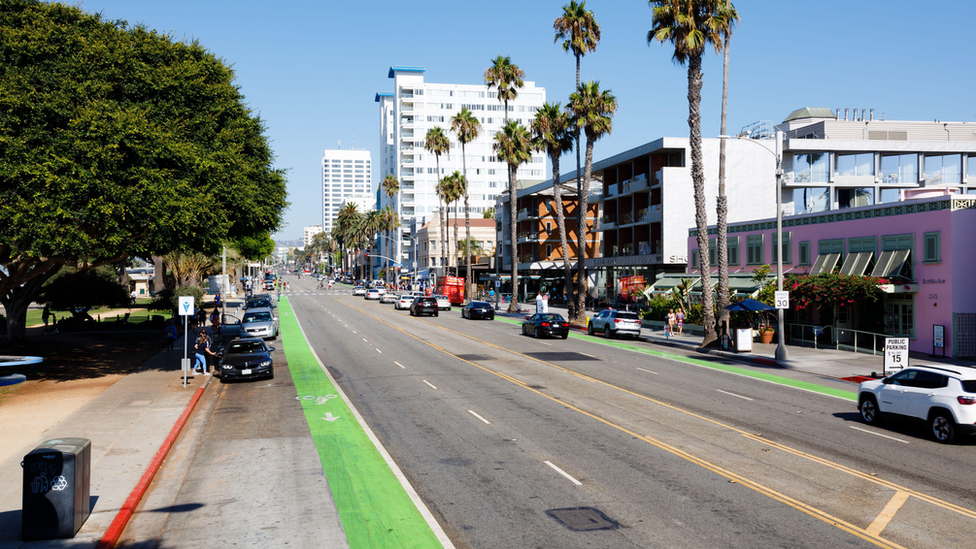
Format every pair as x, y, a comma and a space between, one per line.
942, 397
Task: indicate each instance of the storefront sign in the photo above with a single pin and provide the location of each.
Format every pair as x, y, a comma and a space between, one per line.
896, 354
933, 281
938, 338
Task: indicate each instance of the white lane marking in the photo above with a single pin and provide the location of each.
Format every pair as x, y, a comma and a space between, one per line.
472, 412
354, 331
589, 355
879, 435
379, 351
364, 339
649, 371
400, 365
733, 394
544, 343
563, 473
429, 384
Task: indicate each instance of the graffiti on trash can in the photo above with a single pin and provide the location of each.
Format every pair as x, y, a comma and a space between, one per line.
317, 399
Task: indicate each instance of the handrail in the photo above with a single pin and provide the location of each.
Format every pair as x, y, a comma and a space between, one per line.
841, 339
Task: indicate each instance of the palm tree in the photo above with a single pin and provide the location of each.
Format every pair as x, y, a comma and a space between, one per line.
372, 224
390, 221
729, 18
454, 187
550, 129
513, 144
505, 76
346, 222
437, 143
489, 213
391, 186
690, 26
592, 112
580, 33
466, 126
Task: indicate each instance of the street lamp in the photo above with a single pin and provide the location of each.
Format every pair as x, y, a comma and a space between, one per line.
781, 353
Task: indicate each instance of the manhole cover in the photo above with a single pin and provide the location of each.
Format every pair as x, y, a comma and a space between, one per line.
230, 410
475, 357
582, 519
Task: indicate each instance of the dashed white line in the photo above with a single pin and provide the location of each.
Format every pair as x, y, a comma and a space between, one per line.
354, 331
364, 339
733, 394
563, 473
589, 355
544, 343
472, 412
400, 365
429, 384
649, 371
379, 351
879, 435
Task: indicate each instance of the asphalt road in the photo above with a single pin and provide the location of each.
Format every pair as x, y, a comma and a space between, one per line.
517, 442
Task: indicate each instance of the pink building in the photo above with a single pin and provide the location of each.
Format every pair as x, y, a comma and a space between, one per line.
924, 247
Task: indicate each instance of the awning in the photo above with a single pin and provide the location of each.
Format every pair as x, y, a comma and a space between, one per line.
668, 281
890, 263
856, 263
825, 263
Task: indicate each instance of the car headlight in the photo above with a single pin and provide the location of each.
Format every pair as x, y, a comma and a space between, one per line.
265, 363
227, 366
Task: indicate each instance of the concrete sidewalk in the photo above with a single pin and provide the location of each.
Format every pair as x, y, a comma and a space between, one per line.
126, 424
822, 362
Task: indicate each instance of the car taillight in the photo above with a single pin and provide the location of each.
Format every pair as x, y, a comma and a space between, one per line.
547, 324
616, 320
565, 324
966, 400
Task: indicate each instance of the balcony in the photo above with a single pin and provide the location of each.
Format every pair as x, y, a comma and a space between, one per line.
626, 218
406, 121
525, 237
526, 213
611, 191
608, 222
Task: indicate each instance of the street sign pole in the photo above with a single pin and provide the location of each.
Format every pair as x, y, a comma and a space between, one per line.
186, 310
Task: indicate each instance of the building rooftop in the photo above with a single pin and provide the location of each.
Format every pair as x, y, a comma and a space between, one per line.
810, 112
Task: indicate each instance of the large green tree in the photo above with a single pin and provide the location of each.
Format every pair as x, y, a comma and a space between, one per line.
592, 112
466, 126
514, 146
117, 141
691, 26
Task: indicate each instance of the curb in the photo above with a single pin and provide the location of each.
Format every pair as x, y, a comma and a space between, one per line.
114, 531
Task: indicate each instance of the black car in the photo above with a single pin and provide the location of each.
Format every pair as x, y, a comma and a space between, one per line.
545, 324
246, 358
259, 303
424, 305
478, 309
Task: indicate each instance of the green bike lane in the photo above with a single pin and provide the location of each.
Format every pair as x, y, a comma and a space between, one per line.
376, 505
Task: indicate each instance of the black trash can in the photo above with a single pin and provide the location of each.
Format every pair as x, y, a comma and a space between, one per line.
57, 485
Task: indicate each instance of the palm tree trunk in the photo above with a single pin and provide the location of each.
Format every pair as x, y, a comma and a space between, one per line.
561, 227
698, 180
581, 219
581, 198
469, 290
443, 222
457, 266
513, 220
722, 205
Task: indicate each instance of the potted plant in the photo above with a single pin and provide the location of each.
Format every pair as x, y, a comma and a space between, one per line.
766, 333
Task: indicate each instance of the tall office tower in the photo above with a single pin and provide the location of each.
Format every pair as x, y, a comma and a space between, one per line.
345, 172
414, 107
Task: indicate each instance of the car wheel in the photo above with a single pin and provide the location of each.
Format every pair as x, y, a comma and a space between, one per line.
943, 427
606, 332
523, 330
411, 312
869, 411
535, 333
589, 328
437, 313
272, 374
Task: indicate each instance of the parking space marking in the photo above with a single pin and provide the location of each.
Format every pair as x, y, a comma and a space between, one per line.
733, 394
475, 414
878, 434
563, 473
429, 384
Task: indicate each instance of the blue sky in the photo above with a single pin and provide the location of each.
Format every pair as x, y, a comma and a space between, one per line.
311, 69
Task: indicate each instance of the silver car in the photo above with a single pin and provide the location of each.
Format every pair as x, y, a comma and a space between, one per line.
259, 323
612, 323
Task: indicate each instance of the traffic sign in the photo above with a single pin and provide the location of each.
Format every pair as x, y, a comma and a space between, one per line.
186, 305
896, 354
782, 299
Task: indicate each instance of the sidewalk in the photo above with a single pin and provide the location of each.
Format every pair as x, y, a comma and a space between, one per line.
823, 362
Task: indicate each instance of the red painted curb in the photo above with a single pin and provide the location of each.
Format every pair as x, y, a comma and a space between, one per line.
765, 361
114, 531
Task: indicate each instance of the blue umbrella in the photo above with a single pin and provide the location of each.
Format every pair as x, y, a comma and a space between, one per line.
750, 305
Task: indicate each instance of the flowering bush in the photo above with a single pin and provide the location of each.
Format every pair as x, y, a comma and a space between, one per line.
829, 290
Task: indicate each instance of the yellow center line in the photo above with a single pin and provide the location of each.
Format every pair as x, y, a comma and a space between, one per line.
888, 513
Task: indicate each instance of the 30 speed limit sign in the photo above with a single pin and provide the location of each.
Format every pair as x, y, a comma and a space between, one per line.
782, 300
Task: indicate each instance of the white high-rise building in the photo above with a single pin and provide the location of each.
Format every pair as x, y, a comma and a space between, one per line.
414, 107
345, 173
310, 232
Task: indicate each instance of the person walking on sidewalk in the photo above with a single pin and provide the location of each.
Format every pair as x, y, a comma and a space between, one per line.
198, 352
671, 320
679, 319
46, 315
171, 336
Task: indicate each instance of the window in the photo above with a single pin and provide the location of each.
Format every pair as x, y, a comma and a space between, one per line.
810, 199
899, 169
810, 167
945, 169
694, 259
933, 248
971, 171
712, 259
854, 198
548, 227
803, 254
732, 243
855, 164
785, 247
894, 259
548, 251
754, 250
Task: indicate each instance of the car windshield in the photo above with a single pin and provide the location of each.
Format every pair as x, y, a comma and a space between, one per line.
258, 303
245, 347
478, 304
551, 318
262, 316
440, 297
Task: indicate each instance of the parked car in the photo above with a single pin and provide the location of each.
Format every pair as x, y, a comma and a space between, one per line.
259, 323
389, 297
546, 325
943, 398
424, 305
404, 301
613, 323
246, 358
443, 302
257, 302
230, 327
372, 294
359, 290
478, 309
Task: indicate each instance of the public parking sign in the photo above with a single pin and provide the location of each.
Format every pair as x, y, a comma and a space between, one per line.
896, 354
186, 305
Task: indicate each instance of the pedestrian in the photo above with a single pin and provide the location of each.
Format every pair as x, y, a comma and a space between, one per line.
679, 319
46, 315
215, 321
545, 302
210, 356
330, 284
171, 335
217, 299
671, 320
198, 351
539, 303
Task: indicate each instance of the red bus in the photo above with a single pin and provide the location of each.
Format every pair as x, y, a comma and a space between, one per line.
452, 287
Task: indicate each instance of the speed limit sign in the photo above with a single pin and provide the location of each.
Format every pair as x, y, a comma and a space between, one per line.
782, 299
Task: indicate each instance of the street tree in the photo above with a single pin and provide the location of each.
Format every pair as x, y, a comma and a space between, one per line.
437, 143
514, 146
728, 18
466, 126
